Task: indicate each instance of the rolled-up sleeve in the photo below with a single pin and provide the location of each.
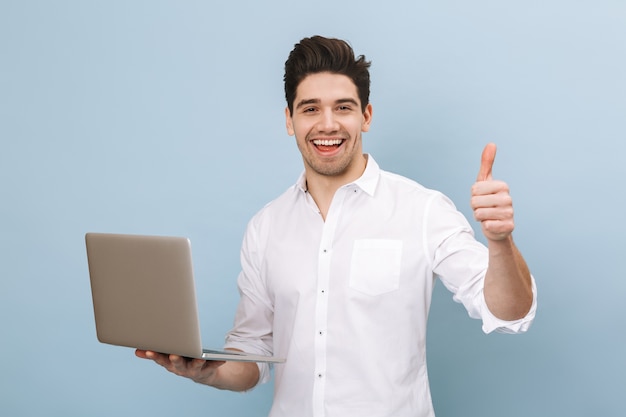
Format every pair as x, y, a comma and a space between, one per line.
461, 262
492, 323
252, 331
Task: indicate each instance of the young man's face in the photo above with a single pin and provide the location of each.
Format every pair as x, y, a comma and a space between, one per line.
327, 121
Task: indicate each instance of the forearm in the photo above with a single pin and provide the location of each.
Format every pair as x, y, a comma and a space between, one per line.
235, 376
508, 287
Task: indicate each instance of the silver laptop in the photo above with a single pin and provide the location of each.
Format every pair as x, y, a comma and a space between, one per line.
144, 296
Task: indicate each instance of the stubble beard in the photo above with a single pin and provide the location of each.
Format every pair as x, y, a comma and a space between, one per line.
336, 166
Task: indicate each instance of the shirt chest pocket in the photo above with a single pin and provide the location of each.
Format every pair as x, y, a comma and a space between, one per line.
375, 265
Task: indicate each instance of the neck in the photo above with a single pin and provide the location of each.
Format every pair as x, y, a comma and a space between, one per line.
323, 187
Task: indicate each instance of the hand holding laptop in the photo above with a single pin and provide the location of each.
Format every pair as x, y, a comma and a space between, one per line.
198, 370
235, 376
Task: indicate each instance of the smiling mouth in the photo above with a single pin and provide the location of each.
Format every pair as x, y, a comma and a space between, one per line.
327, 142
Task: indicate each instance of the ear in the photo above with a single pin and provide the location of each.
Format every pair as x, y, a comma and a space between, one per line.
367, 118
289, 122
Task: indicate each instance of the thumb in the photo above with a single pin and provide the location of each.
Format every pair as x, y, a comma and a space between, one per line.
486, 162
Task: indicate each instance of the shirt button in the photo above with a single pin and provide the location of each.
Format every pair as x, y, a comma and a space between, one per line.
319, 375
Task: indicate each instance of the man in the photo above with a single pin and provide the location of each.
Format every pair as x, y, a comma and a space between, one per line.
337, 273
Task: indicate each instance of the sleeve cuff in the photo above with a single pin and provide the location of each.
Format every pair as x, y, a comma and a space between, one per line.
492, 323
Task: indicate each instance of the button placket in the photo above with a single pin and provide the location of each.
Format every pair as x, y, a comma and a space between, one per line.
321, 307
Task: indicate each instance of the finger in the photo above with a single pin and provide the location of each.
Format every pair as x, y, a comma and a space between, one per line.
490, 194
486, 162
146, 354
177, 361
141, 354
493, 213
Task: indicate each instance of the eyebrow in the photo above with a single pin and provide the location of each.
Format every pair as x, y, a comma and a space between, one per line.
306, 102
303, 103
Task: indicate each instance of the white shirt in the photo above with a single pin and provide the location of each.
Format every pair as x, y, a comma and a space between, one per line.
346, 300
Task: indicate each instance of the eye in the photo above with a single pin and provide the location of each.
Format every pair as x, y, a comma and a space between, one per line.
344, 108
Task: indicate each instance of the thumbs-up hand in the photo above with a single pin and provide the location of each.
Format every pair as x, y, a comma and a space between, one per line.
491, 201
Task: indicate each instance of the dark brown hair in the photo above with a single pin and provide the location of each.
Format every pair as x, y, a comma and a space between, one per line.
318, 54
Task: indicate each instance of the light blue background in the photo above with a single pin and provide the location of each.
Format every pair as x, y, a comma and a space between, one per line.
167, 118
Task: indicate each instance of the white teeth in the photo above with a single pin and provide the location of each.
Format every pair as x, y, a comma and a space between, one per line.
327, 142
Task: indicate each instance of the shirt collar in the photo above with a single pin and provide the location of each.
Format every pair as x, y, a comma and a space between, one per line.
366, 182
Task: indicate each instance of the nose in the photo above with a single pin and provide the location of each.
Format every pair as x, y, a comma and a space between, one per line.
327, 121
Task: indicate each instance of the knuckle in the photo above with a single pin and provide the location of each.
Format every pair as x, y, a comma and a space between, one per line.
509, 212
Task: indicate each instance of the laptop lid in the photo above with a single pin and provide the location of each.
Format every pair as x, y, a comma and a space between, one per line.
144, 293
